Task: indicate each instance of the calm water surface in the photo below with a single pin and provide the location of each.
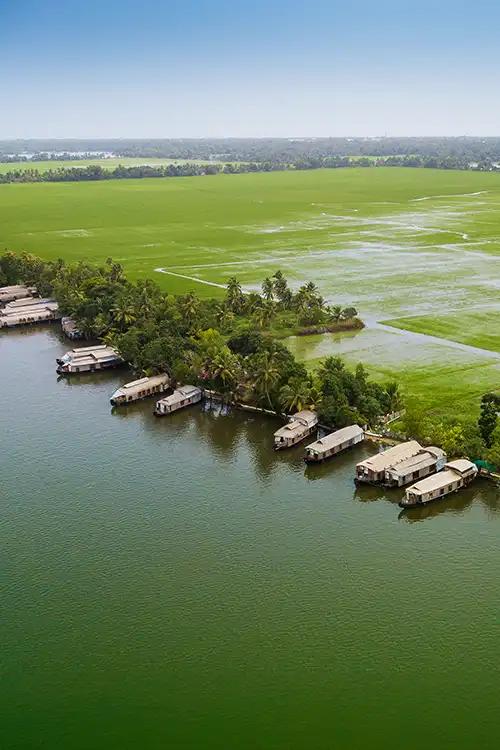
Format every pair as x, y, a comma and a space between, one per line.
173, 583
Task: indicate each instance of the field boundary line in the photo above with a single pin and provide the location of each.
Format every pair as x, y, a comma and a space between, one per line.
190, 278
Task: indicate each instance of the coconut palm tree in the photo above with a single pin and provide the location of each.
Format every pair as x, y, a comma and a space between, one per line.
224, 317
124, 314
348, 313
268, 289
264, 314
266, 374
234, 295
335, 312
226, 369
189, 307
295, 395
395, 397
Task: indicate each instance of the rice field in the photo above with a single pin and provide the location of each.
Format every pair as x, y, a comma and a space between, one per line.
416, 251
111, 163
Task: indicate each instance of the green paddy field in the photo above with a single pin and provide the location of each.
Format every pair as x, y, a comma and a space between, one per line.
416, 251
111, 163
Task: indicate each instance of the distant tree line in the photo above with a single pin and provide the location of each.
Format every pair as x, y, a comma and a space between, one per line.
226, 345
462, 150
191, 169
96, 172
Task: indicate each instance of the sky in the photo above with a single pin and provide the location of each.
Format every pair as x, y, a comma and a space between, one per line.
221, 68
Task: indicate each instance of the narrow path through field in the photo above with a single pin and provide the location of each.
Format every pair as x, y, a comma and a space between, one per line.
190, 278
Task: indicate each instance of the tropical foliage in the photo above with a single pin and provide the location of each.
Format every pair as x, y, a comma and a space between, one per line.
230, 347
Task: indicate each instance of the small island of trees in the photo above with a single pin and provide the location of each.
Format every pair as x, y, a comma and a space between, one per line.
230, 346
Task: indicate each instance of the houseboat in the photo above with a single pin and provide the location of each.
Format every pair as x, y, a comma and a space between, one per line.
372, 470
334, 443
456, 474
88, 359
16, 304
70, 329
183, 396
427, 461
26, 314
17, 291
299, 426
141, 388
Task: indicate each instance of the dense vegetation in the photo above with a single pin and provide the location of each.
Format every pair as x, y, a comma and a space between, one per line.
225, 346
246, 155
477, 441
257, 149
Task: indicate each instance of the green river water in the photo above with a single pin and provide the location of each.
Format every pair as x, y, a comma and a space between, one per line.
173, 583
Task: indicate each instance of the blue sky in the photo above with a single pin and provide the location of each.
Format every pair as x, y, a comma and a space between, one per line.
216, 68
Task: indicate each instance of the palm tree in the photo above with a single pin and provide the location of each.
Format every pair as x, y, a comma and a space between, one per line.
311, 289
224, 316
264, 314
266, 374
281, 287
335, 312
123, 314
348, 313
395, 398
226, 368
268, 289
234, 295
189, 307
295, 395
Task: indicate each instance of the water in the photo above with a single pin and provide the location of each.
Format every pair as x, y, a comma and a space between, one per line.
173, 583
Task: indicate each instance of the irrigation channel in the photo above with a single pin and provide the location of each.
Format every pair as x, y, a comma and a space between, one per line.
176, 583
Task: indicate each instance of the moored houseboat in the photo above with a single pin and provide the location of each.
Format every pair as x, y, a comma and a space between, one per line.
88, 359
299, 426
456, 474
372, 470
333, 443
70, 329
16, 304
427, 461
183, 396
16, 291
27, 314
141, 388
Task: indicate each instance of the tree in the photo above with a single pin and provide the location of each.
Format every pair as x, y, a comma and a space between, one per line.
295, 395
450, 437
394, 394
124, 314
234, 296
189, 306
268, 289
348, 313
489, 417
281, 289
493, 454
266, 374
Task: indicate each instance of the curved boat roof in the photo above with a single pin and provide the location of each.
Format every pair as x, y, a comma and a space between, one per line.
336, 438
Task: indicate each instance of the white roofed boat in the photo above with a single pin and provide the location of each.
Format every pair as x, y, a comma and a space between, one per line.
299, 426
456, 474
183, 396
334, 443
141, 388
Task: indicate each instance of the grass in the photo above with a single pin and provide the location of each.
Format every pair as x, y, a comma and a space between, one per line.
418, 248
475, 328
